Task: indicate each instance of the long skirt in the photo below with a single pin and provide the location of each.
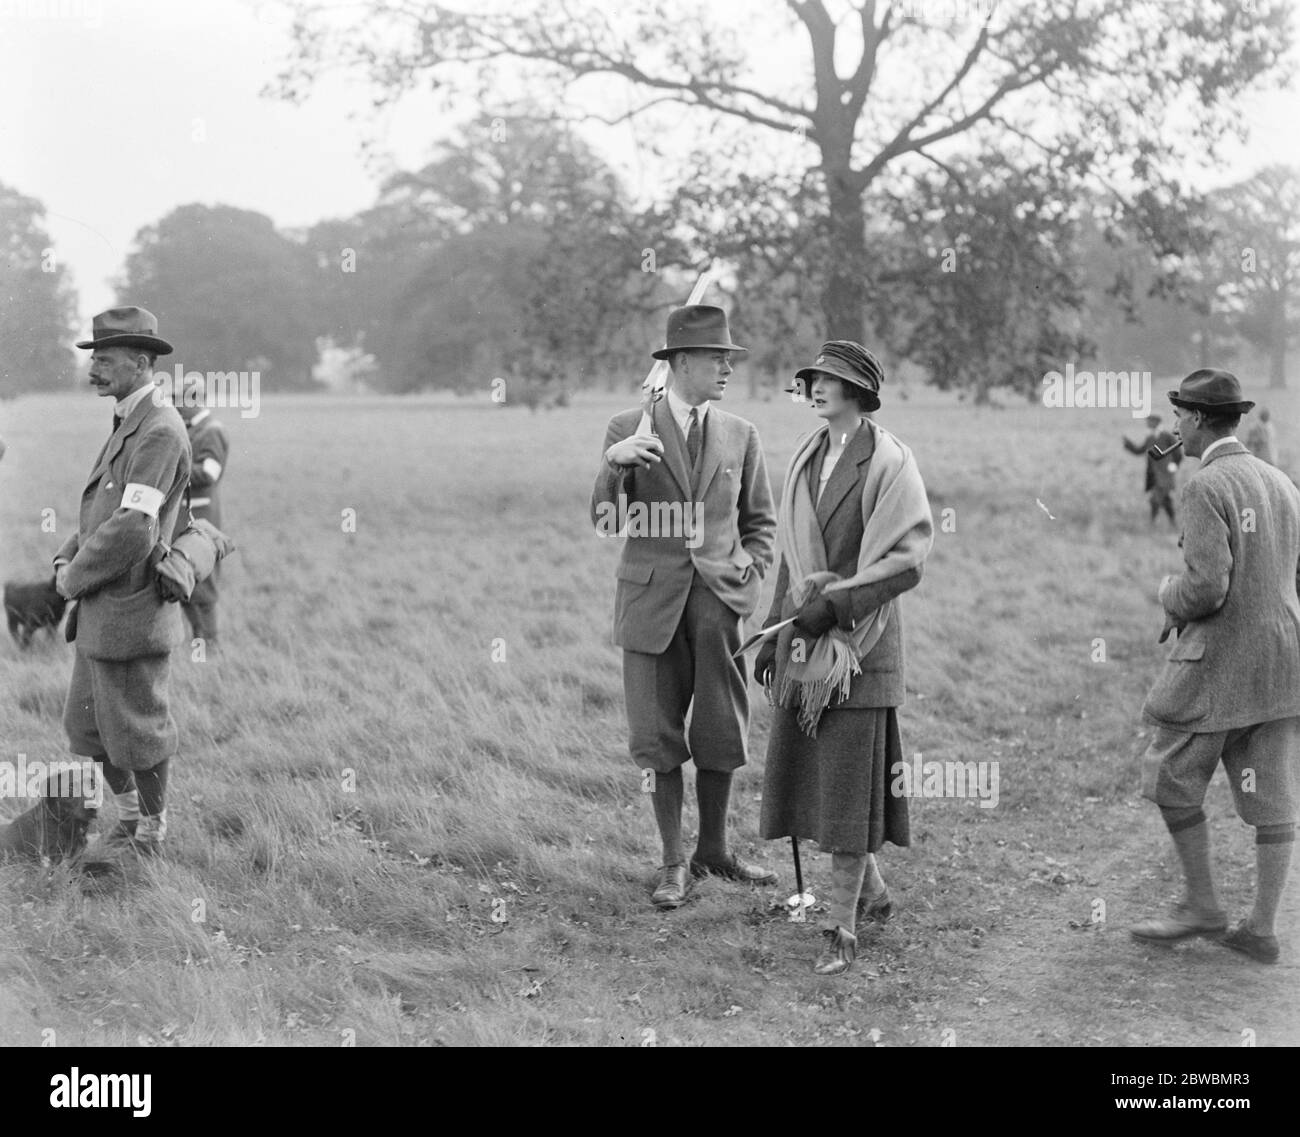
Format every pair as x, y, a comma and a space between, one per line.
835, 788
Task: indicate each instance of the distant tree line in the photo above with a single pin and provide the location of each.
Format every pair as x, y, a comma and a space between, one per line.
513, 263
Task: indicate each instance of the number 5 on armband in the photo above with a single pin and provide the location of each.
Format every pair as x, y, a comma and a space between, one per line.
144, 499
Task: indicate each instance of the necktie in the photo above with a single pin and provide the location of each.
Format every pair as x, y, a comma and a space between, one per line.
117, 421
693, 437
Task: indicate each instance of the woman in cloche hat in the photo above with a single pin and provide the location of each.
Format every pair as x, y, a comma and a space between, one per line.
854, 528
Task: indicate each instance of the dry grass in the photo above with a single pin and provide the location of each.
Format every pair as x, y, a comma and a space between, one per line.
297, 910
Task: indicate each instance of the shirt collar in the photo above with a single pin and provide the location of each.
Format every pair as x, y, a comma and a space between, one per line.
125, 405
681, 409
1216, 444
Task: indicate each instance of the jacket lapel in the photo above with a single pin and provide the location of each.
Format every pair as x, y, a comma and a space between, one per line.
845, 475
118, 438
674, 446
712, 450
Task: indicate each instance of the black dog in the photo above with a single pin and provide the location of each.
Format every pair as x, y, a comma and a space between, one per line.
54, 828
31, 607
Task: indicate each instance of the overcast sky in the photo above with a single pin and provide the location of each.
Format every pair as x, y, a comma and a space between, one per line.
116, 111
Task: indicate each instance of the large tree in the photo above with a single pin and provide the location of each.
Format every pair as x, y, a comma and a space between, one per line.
1119, 89
981, 262
1257, 261
513, 253
229, 291
37, 306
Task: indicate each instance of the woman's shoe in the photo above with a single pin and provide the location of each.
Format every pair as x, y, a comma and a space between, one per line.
839, 954
879, 907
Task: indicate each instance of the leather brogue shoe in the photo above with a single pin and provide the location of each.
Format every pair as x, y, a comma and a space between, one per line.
733, 868
671, 887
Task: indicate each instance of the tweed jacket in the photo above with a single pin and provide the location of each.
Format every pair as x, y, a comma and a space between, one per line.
209, 452
839, 513
1237, 660
121, 614
732, 501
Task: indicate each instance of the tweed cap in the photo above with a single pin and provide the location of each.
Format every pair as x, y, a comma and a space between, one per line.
844, 359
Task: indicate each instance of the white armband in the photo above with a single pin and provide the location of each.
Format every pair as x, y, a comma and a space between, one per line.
144, 498
211, 467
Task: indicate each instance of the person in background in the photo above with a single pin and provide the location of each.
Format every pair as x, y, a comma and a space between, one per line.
1260, 440
210, 451
1161, 473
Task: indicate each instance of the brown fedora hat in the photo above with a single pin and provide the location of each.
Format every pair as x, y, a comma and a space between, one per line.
700, 327
1211, 390
126, 327
846, 360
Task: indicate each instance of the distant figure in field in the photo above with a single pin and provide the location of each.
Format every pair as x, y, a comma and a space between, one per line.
1230, 690
854, 528
1260, 440
683, 590
1162, 473
210, 451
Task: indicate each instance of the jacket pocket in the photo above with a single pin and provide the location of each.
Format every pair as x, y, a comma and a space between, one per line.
635, 574
118, 628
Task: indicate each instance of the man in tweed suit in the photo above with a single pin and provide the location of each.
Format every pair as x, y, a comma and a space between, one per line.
1230, 690
117, 709
209, 451
697, 507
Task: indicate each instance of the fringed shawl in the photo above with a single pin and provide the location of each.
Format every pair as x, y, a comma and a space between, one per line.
897, 535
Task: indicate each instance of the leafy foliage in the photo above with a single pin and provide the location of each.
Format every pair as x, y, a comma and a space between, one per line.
36, 302
229, 292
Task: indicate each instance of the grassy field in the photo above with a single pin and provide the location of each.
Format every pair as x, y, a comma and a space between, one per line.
404, 811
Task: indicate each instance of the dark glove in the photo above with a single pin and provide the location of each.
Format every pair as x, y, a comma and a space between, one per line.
817, 617
765, 661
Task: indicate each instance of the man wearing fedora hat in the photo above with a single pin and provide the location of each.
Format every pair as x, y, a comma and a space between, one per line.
117, 708
1230, 688
683, 590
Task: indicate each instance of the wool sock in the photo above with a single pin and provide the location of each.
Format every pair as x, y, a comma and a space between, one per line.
152, 826
119, 781
152, 784
713, 794
873, 883
1191, 835
847, 870
668, 813
128, 805
122, 783
1273, 845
